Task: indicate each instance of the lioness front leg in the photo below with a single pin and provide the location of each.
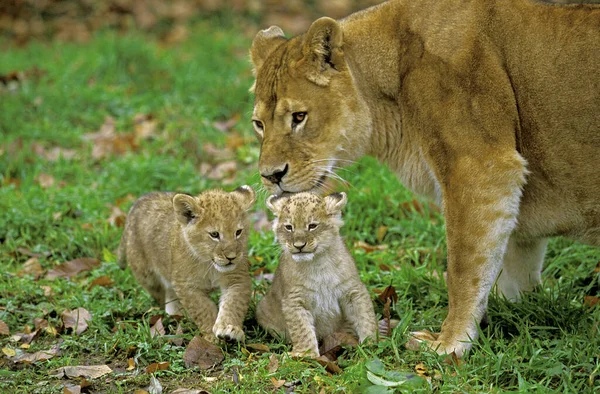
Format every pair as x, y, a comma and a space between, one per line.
233, 307
481, 203
522, 267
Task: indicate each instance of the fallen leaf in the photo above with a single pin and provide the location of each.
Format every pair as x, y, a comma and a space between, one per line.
72, 268
140, 391
277, 383
590, 301
188, 391
260, 221
234, 141
76, 319
217, 154
421, 370
4, 330
24, 337
9, 351
273, 364
178, 340
42, 355
155, 386
161, 366
258, 347
333, 344
25, 346
130, 363
47, 290
202, 353
369, 248
226, 125
29, 253
117, 217
39, 323
31, 267
384, 267
70, 388
46, 181
144, 126
107, 142
103, 280
87, 371
381, 232
330, 366
157, 328
226, 169
389, 292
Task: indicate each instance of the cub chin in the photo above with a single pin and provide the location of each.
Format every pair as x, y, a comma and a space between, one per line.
180, 248
316, 289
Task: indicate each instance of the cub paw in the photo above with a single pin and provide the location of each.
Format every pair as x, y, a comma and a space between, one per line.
432, 341
304, 353
229, 332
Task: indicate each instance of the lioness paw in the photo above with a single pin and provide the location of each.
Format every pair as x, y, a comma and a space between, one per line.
432, 342
229, 332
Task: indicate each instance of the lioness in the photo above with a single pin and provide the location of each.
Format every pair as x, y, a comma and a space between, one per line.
490, 107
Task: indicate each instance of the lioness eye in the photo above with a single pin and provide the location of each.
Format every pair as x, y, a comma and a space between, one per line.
288, 227
298, 117
312, 226
238, 233
214, 235
258, 124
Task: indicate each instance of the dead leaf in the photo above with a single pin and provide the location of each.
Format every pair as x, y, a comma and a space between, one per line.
25, 337
384, 267
590, 301
389, 292
103, 280
157, 328
39, 323
76, 319
87, 371
273, 364
4, 330
9, 351
42, 355
107, 142
421, 370
161, 366
221, 171
258, 347
31, 267
45, 180
277, 383
177, 34
260, 221
178, 340
117, 217
144, 126
72, 268
330, 366
155, 386
381, 232
369, 248
234, 141
333, 344
140, 391
202, 353
226, 125
29, 253
70, 388
217, 154
47, 290
130, 363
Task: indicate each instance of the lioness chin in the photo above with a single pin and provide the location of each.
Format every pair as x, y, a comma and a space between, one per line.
491, 108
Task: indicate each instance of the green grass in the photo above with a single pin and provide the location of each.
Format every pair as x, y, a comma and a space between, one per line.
550, 342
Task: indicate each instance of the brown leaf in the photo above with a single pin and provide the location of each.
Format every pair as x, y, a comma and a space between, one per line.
45, 180
421, 370
29, 253
31, 267
330, 366
202, 353
258, 347
140, 391
88, 371
117, 217
76, 319
9, 351
144, 126
590, 301
217, 154
384, 267
277, 383
234, 141
381, 232
103, 280
157, 328
226, 169
130, 363
389, 292
107, 141
47, 290
273, 364
71, 388
72, 268
333, 344
40, 323
177, 34
42, 355
226, 125
189, 391
4, 330
161, 366
369, 248
178, 340
26, 337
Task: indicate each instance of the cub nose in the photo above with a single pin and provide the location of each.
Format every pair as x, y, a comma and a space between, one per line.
230, 259
299, 245
276, 175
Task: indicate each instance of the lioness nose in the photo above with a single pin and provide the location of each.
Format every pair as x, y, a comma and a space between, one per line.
276, 176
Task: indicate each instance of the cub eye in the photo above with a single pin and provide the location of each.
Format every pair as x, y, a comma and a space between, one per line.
258, 124
288, 227
214, 235
238, 233
312, 226
297, 118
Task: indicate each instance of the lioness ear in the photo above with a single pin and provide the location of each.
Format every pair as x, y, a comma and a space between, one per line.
322, 48
263, 44
186, 208
334, 203
245, 195
275, 203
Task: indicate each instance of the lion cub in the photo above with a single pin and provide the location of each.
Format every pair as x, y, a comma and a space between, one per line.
316, 290
180, 248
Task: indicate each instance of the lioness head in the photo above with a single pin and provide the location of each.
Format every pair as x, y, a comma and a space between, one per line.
307, 224
215, 225
308, 115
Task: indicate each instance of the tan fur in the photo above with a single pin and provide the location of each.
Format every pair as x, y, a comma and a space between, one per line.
316, 290
167, 242
489, 107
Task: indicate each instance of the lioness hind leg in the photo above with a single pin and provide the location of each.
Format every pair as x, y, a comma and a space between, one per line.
521, 267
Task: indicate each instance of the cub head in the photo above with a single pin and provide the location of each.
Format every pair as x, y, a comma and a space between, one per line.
307, 224
215, 225
308, 115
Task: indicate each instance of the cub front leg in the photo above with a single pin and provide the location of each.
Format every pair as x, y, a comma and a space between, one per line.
300, 325
481, 203
199, 307
233, 307
358, 310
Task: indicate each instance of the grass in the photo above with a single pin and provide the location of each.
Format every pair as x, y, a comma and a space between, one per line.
550, 342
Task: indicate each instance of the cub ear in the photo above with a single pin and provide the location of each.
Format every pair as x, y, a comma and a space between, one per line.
263, 44
186, 208
322, 48
275, 203
245, 196
334, 203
